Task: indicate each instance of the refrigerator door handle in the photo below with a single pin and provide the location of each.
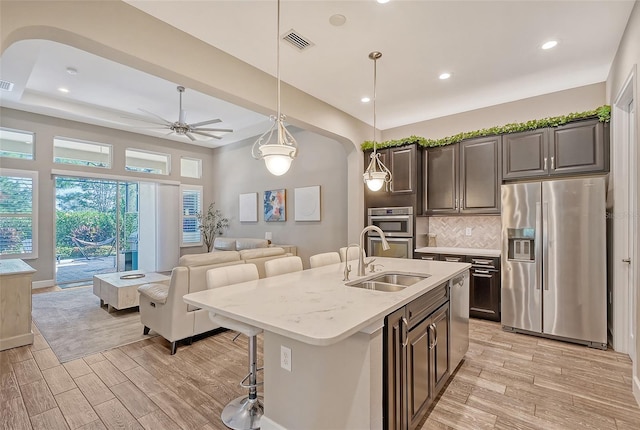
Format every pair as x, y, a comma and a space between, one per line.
545, 245
538, 245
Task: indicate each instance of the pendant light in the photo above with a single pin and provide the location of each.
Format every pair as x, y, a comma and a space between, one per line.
376, 175
276, 146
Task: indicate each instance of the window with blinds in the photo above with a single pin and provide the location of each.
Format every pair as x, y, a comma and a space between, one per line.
18, 222
191, 207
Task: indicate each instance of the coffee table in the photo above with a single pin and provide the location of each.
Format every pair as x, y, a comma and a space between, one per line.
118, 293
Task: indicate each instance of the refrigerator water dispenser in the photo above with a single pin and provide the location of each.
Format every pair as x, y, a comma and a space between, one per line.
521, 244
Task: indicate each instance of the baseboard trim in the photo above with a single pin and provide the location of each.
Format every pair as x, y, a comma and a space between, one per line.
636, 388
268, 424
42, 284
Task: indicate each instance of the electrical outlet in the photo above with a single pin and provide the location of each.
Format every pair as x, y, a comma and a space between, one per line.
467, 231
285, 358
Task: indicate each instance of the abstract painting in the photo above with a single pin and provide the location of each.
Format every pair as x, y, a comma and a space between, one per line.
307, 203
274, 205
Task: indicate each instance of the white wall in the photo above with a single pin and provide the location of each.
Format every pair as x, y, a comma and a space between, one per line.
320, 161
559, 103
626, 58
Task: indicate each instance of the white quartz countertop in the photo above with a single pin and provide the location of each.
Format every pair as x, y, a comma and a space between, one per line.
480, 252
314, 306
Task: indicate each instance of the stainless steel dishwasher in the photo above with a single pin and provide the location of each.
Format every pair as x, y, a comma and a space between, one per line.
459, 303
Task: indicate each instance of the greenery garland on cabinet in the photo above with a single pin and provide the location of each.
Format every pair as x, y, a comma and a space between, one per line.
603, 113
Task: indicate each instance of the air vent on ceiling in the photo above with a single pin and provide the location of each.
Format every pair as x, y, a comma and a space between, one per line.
298, 41
6, 85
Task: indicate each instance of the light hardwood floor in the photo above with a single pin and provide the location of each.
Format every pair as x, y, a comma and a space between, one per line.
507, 381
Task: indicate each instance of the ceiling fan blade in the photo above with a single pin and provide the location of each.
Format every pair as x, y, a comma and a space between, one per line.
211, 121
190, 136
226, 130
156, 116
205, 134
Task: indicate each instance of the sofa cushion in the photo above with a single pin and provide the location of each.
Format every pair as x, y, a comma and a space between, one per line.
248, 254
191, 260
155, 292
250, 243
224, 244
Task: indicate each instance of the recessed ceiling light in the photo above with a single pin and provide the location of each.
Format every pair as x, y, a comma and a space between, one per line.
365, 99
72, 70
63, 90
444, 75
337, 20
550, 44
383, 1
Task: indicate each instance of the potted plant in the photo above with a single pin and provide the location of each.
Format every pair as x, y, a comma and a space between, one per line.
211, 225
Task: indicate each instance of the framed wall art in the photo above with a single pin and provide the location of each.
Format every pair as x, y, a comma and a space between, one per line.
248, 209
275, 205
306, 202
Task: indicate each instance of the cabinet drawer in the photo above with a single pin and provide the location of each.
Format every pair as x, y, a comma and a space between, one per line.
423, 306
425, 256
453, 258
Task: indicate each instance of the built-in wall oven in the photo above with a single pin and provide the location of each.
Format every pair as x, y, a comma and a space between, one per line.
397, 225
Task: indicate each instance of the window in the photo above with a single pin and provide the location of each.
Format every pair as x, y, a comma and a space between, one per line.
80, 153
148, 162
16, 144
190, 167
191, 207
18, 213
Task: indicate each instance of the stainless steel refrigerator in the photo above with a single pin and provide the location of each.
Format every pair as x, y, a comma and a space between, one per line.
554, 259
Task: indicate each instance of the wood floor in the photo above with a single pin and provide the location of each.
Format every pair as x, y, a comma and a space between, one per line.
508, 381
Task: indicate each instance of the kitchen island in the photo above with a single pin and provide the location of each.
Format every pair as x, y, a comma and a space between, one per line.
334, 334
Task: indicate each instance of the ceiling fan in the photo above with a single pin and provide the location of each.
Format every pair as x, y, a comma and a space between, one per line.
181, 127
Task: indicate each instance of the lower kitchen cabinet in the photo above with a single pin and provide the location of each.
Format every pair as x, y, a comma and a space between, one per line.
484, 288
416, 358
484, 283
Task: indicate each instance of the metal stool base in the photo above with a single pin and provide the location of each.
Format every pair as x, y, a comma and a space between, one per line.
243, 413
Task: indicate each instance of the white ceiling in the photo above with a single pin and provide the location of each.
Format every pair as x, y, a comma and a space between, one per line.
491, 47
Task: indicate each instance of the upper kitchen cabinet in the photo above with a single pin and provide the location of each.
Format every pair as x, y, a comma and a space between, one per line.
575, 148
464, 178
406, 170
441, 180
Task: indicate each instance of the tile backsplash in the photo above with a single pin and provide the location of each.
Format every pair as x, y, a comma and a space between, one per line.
450, 231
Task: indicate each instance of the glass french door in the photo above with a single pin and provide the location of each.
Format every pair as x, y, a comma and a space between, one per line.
96, 228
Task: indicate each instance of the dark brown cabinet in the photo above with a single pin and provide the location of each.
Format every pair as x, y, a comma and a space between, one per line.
416, 358
484, 288
464, 178
405, 166
484, 284
576, 148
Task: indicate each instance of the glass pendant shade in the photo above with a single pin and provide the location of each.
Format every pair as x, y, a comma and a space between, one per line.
376, 174
277, 158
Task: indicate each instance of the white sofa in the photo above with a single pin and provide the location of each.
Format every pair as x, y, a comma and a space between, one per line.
162, 309
238, 244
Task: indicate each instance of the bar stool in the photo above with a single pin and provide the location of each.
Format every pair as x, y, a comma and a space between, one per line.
244, 412
324, 259
353, 253
280, 266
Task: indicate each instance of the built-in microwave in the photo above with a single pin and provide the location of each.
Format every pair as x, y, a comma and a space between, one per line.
394, 222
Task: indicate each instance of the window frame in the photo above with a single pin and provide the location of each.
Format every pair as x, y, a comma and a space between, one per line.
190, 189
33, 144
199, 169
142, 151
86, 142
33, 175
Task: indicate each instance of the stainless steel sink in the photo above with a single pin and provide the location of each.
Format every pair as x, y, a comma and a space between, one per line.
399, 278
389, 282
